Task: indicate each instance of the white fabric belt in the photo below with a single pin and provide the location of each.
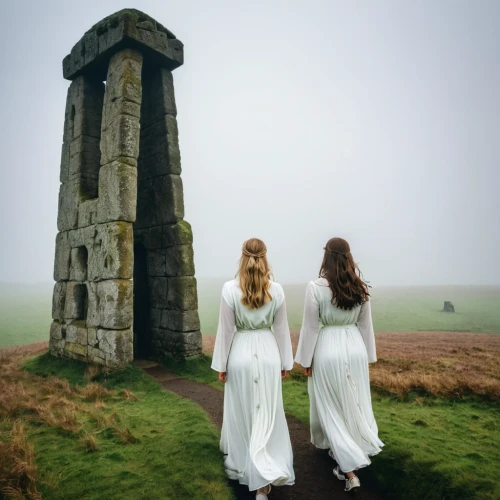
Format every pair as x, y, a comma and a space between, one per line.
247, 330
340, 327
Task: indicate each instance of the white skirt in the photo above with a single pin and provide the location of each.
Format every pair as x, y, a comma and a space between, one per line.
255, 438
341, 416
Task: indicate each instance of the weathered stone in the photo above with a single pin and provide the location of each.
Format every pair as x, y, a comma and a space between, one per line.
84, 157
158, 95
115, 303
160, 154
78, 264
448, 306
92, 336
96, 356
58, 299
177, 234
76, 299
155, 238
117, 346
77, 334
71, 194
87, 213
156, 262
75, 350
179, 261
56, 331
124, 77
127, 27
180, 321
156, 318
93, 314
181, 294
64, 169
159, 289
117, 193
120, 139
56, 347
168, 187
178, 344
111, 253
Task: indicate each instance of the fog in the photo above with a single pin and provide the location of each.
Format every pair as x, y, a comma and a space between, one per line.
376, 121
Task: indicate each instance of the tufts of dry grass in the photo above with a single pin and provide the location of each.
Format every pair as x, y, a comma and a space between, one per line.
444, 364
18, 470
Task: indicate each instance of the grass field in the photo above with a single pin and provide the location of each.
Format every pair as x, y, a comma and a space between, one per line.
25, 311
116, 437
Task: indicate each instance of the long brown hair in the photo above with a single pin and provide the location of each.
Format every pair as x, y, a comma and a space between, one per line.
343, 275
254, 274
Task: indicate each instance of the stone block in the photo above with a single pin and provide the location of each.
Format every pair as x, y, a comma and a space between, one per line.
58, 299
155, 237
85, 157
56, 347
93, 315
96, 356
168, 199
124, 77
71, 194
62, 257
64, 169
159, 292
180, 321
77, 351
179, 261
177, 234
126, 27
156, 262
182, 294
78, 264
178, 344
76, 333
117, 193
117, 346
87, 213
155, 317
115, 303
111, 252
158, 95
92, 336
120, 139
57, 331
76, 300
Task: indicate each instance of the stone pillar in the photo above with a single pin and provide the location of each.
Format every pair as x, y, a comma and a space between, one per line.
120, 186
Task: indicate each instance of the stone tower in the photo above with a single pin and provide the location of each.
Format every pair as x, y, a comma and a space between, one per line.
124, 269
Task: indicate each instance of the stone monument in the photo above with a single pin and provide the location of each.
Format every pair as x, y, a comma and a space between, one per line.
124, 270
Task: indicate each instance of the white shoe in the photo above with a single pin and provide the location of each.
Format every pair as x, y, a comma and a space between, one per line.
263, 496
352, 483
338, 473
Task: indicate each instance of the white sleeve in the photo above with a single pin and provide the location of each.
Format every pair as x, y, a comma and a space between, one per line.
365, 326
282, 334
310, 329
224, 338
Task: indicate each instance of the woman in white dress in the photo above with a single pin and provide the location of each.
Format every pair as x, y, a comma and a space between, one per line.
336, 344
252, 353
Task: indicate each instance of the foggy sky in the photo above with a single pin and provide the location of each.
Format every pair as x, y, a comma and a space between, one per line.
376, 121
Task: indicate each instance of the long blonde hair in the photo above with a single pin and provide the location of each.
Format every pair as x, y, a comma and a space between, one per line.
254, 274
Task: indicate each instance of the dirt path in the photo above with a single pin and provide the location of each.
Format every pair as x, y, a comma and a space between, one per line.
313, 468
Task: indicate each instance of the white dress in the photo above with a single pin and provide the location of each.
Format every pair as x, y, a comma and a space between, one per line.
253, 346
339, 351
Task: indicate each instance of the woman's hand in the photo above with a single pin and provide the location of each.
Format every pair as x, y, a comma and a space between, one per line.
308, 371
284, 374
223, 377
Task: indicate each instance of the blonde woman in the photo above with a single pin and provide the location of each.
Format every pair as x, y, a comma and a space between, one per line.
252, 353
336, 344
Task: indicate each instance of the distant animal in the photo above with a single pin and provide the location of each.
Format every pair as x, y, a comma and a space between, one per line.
448, 307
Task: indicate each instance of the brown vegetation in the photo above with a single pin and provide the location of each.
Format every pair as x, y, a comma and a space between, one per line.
73, 410
443, 364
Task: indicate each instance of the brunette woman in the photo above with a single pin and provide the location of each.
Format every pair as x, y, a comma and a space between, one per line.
335, 356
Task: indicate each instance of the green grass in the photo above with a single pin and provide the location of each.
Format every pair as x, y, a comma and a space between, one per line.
176, 455
434, 449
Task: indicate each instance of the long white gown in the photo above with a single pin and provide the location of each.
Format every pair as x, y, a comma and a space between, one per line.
339, 350
253, 346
